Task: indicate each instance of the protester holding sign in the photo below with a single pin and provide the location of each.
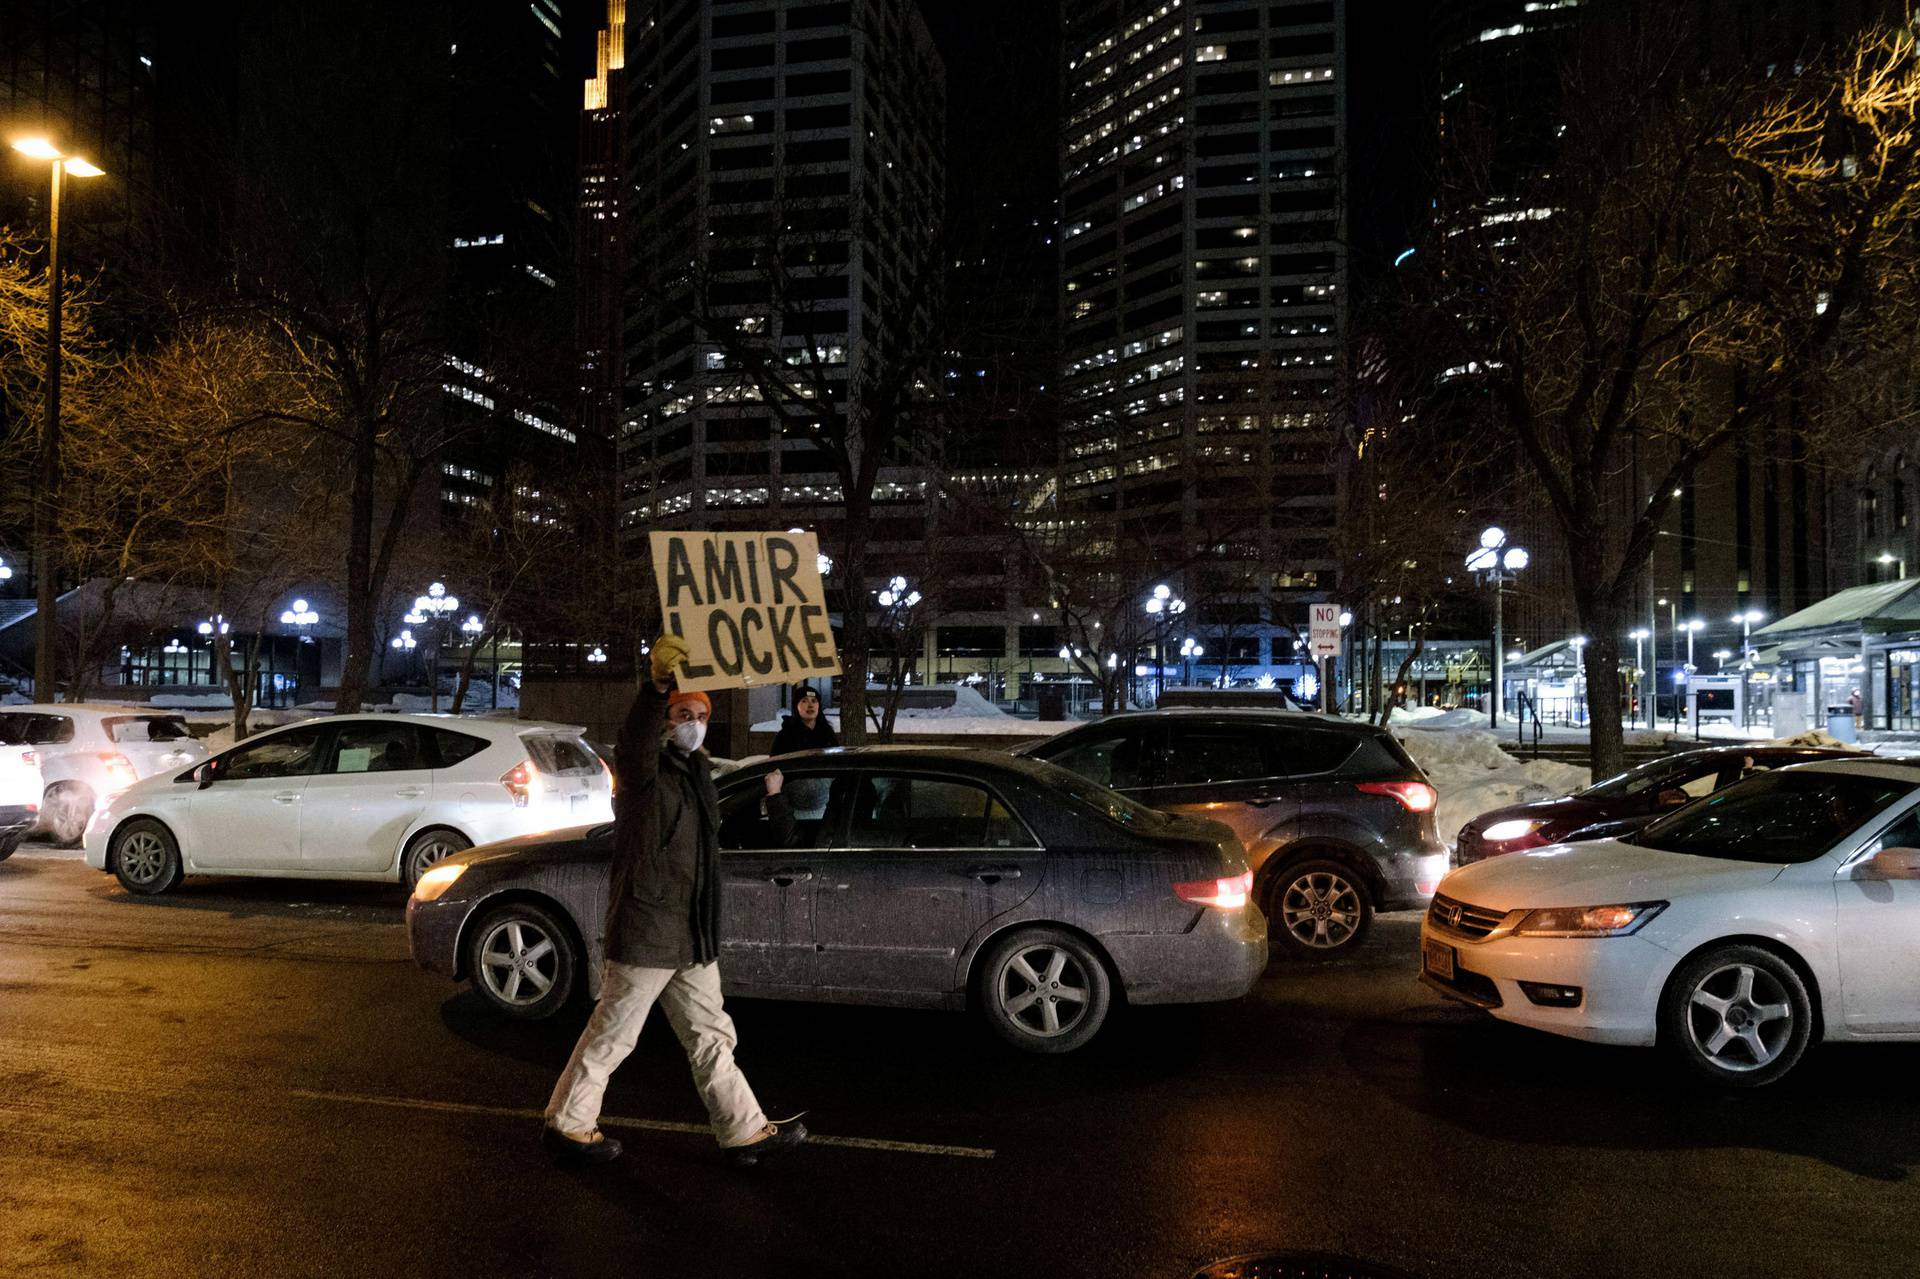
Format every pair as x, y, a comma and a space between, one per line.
663, 931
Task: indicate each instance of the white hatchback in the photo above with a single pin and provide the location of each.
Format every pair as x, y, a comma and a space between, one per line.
351, 797
87, 754
1733, 932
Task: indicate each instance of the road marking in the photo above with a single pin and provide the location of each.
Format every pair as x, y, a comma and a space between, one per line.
648, 1125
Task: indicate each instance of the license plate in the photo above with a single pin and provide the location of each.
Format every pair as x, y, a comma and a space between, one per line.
1438, 958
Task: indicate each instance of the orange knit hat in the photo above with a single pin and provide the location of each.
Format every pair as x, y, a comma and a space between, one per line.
701, 698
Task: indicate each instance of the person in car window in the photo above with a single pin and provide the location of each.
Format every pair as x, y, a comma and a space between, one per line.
806, 729
663, 932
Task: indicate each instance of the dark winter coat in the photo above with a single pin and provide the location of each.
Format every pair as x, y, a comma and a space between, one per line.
794, 735
663, 904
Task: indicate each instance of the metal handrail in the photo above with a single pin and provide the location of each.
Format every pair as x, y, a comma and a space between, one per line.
1522, 705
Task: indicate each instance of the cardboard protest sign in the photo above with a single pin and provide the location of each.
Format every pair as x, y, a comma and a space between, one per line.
749, 605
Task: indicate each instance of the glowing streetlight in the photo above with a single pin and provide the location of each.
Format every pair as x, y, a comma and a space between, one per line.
1747, 618
597, 655
404, 641
46, 504
1496, 562
6, 574
1692, 628
302, 617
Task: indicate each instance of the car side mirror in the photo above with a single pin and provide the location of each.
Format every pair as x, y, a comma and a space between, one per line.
1672, 798
1895, 863
204, 774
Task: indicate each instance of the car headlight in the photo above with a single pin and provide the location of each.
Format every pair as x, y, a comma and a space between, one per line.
1588, 921
437, 880
1514, 828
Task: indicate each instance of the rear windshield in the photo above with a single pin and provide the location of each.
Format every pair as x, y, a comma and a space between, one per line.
1115, 806
553, 754
1794, 816
35, 730
148, 728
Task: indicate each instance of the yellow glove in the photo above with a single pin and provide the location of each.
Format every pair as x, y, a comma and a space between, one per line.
668, 652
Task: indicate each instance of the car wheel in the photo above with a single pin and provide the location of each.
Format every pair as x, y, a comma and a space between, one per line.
428, 847
1044, 990
65, 809
1737, 1015
9, 842
1319, 909
522, 959
145, 858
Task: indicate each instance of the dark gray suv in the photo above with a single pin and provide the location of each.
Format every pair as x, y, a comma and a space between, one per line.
1337, 820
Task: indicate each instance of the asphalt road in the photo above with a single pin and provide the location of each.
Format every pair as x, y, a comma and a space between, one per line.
249, 1077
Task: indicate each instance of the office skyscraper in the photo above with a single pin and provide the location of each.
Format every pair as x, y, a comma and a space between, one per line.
1204, 293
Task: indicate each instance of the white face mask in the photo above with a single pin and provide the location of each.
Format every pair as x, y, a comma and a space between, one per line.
688, 735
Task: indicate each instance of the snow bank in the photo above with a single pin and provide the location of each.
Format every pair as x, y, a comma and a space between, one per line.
1473, 775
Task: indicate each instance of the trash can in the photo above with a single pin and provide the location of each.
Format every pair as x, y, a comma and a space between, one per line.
1053, 703
1840, 725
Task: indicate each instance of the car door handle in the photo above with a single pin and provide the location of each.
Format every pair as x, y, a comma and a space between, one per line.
286, 796
788, 878
1265, 801
993, 874
411, 792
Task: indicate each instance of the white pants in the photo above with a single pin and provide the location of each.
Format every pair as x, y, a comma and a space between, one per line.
690, 997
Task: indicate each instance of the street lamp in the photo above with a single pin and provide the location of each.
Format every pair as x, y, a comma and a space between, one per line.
434, 609
1747, 618
1162, 606
1495, 561
472, 627
213, 625
1720, 655
302, 618
1692, 628
47, 489
1189, 653
1637, 635
597, 656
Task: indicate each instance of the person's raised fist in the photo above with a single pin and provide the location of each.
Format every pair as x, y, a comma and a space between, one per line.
668, 652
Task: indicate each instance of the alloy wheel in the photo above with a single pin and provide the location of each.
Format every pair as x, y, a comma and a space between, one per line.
1043, 989
1321, 909
1740, 1017
518, 961
143, 857
434, 848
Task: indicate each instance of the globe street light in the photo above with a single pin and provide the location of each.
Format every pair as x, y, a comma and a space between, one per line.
1496, 562
301, 617
1162, 606
6, 574
46, 503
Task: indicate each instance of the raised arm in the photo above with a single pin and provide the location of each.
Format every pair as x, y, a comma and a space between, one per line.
641, 737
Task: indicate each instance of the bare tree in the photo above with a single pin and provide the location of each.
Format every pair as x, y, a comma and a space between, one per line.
1708, 250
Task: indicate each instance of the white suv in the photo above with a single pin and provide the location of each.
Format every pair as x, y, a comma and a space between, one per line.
85, 755
351, 797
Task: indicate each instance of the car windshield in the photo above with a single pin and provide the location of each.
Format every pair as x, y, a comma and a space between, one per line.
1631, 782
1793, 816
1116, 806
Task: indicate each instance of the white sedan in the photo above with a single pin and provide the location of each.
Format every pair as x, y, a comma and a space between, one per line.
351, 797
1733, 932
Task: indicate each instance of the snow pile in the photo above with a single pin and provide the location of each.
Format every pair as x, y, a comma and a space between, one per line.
1473, 775
188, 701
1815, 737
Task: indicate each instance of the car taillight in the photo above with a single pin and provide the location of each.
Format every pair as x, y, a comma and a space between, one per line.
119, 768
1226, 894
613, 783
30, 759
519, 783
1415, 797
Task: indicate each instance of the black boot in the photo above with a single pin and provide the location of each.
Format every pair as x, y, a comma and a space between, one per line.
566, 1151
779, 1138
